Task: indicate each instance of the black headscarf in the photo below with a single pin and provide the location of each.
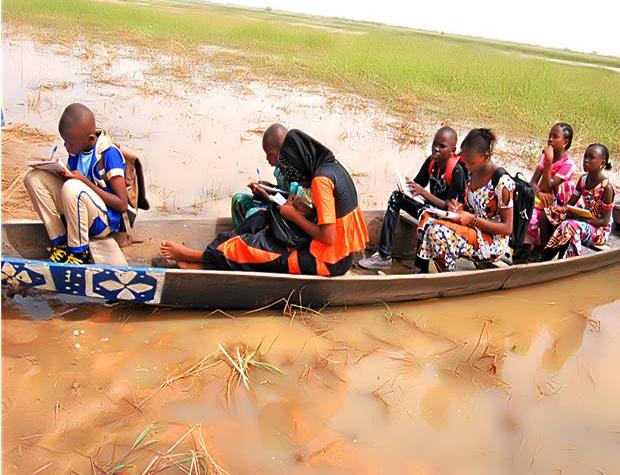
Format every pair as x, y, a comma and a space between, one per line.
301, 156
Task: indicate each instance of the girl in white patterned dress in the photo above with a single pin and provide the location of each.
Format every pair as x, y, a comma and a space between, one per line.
483, 226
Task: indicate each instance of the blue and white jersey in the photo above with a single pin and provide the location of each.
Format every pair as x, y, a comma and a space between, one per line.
113, 164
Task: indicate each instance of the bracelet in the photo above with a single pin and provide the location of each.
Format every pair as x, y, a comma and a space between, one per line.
473, 223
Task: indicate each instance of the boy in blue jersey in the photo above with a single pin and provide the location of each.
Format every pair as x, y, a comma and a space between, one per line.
91, 194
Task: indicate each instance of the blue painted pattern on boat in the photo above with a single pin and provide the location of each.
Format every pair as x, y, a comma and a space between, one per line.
136, 284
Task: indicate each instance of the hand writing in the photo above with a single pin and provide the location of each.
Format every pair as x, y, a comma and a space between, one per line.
73, 175
258, 192
455, 206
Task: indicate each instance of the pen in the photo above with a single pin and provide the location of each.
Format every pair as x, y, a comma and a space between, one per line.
54, 151
258, 174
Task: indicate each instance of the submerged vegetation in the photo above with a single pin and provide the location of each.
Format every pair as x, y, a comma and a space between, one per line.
516, 88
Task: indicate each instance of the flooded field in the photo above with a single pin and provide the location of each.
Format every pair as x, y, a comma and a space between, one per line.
200, 136
199, 129
513, 382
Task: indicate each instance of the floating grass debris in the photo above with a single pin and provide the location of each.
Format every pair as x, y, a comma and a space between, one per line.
241, 358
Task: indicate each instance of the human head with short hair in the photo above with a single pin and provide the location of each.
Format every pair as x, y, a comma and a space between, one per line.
78, 128
477, 148
273, 137
444, 144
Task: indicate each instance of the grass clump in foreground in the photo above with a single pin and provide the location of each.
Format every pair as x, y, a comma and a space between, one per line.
454, 78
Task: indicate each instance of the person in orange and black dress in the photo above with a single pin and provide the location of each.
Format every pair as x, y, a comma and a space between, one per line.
338, 233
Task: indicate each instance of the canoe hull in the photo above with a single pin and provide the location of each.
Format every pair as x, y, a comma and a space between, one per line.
253, 290
250, 290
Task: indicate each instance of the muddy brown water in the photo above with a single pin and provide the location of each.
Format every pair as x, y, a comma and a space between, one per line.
513, 382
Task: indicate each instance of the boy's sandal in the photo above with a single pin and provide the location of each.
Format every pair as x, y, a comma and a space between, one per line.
164, 263
58, 255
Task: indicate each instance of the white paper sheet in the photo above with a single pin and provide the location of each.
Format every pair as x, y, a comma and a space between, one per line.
277, 199
49, 166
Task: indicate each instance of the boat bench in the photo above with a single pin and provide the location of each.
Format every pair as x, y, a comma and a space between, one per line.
107, 251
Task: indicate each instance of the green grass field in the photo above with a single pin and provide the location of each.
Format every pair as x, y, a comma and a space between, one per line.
514, 88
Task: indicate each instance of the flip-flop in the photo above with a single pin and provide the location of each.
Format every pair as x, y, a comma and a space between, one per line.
164, 263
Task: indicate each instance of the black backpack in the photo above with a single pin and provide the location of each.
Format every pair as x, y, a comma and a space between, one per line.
285, 232
523, 204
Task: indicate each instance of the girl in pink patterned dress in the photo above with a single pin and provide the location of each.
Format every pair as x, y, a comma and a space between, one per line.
597, 195
554, 185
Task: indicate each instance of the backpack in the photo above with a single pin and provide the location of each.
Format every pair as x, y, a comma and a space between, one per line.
522, 202
134, 181
285, 232
452, 161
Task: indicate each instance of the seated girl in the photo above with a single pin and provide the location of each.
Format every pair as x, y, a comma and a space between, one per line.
597, 195
339, 231
553, 181
482, 227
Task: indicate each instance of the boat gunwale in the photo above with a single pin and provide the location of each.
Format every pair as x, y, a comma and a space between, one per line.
349, 277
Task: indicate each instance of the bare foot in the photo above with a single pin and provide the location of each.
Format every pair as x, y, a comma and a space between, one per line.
177, 252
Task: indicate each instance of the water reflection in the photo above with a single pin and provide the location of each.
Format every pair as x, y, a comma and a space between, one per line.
518, 381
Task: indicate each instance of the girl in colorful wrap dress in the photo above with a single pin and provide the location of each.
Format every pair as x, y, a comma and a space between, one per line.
554, 185
482, 227
339, 231
597, 195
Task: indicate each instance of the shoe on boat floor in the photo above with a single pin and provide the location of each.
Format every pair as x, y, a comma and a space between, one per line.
78, 258
376, 261
58, 254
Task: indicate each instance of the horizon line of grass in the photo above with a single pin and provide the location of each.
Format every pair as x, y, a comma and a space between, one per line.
566, 54
455, 79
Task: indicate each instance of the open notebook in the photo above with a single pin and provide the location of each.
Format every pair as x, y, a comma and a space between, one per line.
50, 166
441, 213
581, 212
277, 199
401, 183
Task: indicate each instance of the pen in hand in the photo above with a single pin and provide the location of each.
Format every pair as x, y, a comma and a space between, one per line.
54, 151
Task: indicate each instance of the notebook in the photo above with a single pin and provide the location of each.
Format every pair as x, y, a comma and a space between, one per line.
49, 166
442, 213
277, 199
581, 212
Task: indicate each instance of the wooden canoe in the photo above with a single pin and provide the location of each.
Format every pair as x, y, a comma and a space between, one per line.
24, 243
